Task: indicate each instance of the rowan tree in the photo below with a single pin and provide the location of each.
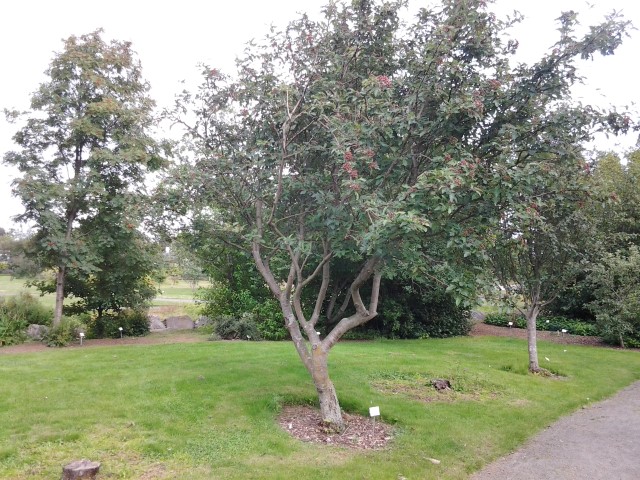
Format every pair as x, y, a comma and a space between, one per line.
85, 141
359, 139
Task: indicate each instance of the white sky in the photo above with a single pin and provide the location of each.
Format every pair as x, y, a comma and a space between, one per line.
171, 38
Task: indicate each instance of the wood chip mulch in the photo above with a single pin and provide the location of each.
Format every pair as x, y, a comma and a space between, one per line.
305, 424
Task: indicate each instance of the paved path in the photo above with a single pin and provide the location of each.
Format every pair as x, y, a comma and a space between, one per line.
599, 442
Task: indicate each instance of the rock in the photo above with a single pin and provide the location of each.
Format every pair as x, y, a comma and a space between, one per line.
477, 317
37, 332
183, 322
203, 321
434, 461
440, 384
80, 470
156, 323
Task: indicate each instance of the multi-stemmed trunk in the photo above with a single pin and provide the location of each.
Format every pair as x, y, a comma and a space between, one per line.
312, 349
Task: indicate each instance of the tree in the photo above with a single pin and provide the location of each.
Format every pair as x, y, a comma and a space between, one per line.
541, 240
85, 142
614, 213
358, 139
127, 264
616, 305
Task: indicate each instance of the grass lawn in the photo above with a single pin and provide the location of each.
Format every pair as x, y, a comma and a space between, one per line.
12, 286
179, 289
207, 410
177, 297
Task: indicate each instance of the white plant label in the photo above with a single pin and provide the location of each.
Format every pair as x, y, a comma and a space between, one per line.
374, 411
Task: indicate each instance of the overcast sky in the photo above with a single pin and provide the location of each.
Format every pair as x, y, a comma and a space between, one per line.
171, 38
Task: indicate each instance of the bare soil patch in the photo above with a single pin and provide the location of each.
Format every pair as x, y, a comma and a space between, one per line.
362, 433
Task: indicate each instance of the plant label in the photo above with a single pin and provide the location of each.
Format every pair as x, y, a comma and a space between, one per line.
374, 411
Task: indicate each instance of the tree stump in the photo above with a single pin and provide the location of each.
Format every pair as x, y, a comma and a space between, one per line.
440, 384
80, 470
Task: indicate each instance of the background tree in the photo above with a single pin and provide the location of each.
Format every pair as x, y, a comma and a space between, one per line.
14, 254
85, 142
357, 139
616, 305
127, 265
613, 210
541, 241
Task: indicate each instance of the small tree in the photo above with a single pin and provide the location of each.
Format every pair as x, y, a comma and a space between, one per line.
357, 139
85, 142
541, 240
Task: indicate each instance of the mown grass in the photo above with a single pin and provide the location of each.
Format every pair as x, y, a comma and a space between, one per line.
176, 297
207, 410
10, 286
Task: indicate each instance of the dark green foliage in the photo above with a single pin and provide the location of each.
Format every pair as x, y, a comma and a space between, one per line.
414, 311
238, 289
236, 328
616, 289
66, 332
134, 323
553, 323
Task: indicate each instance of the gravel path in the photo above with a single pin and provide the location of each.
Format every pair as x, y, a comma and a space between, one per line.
599, 442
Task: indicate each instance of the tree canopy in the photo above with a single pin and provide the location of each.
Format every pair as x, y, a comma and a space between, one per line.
85, 143
360, 139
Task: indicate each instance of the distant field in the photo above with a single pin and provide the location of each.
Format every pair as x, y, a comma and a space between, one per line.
13, 286
179, 294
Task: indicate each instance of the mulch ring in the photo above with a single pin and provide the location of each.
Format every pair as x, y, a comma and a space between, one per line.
305, 424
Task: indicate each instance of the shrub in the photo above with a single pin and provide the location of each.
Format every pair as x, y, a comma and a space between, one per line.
614, 280
12, 329
68, 331
231, 328
16, 313
134, 323
26, 307
270, 321
221, 301
416, 311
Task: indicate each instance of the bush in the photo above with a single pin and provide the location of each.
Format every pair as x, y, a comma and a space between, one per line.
415, 311
221, 301
12, 329
553, 323
231, 328
134, 323
16, 313
26, 307
68, 331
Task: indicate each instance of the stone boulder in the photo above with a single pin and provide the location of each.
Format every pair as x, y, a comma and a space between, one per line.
37, 332
477, 317
183, 322
156, 323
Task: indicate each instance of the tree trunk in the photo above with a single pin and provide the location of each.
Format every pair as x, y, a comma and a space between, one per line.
57, 313
329, 405
531, 316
